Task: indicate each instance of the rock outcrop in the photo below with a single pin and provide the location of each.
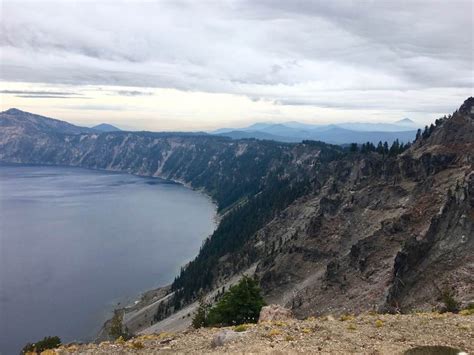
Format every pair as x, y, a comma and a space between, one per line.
273, 313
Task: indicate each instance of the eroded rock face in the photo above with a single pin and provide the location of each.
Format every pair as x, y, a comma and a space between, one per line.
273, 313
400, 232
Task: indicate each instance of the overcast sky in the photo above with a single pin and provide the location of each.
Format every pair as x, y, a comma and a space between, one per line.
163, 65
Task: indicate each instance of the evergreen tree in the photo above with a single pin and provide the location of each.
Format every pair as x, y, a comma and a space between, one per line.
380, 147
200, 318
241, 304
418, 134
395, 148
432, 128
426, 133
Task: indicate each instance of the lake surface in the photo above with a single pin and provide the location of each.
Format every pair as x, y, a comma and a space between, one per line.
75, 242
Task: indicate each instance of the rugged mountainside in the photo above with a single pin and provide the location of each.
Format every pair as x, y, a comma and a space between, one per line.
324, 229
15, 121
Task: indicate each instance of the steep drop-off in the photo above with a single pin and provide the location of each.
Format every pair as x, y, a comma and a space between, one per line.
324, 229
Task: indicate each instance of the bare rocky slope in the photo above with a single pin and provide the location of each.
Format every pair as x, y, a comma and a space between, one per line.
364, 334
325, 230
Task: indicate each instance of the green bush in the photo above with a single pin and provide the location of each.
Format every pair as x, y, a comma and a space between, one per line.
241, 304
241, 328
42, 345
450, 303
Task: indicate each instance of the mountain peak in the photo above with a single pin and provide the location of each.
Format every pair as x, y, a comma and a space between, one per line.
468, 107
405, 121
14, 111
105, 127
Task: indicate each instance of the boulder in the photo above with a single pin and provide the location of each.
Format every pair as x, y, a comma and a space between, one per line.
223, 337
274, 312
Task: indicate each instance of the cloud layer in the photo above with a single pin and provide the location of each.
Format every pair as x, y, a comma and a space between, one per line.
340, 54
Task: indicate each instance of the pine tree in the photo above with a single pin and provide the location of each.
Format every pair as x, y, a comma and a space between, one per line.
241, 304
380, 147
418, 134
395, 148
425, 133
200, 317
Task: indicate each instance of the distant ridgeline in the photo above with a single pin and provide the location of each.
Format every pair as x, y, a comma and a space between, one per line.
326, 227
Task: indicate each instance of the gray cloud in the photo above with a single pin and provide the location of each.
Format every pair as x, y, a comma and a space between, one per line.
51, 97
39, 94
315, 53
95, 107
133, 93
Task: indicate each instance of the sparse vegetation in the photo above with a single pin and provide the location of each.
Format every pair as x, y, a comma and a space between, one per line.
241, 328
137, 345
274, 332
51, 342
351, 326
345, 317
314, 336
469, 310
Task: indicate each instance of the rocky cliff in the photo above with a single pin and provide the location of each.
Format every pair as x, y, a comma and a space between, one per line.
325, 230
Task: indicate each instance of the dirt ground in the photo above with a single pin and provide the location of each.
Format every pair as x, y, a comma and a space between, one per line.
367, 334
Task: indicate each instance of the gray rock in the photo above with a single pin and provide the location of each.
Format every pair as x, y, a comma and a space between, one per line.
223, 337
274, 312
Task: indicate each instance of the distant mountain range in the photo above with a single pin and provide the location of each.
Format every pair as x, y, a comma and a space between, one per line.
290, 132
343, 133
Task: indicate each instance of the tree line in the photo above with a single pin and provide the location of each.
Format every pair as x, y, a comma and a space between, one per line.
396, 148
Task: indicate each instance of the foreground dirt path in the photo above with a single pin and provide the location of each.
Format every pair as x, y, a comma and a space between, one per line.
367, 334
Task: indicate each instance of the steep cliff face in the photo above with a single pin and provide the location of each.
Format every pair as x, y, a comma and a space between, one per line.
381, 234
323, 229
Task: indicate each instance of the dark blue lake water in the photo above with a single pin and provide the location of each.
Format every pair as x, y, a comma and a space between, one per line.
75, 242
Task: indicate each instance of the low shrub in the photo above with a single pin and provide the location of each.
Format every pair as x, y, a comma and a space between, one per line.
137, 345
241, 328
345, 317
450, 303
42, 345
